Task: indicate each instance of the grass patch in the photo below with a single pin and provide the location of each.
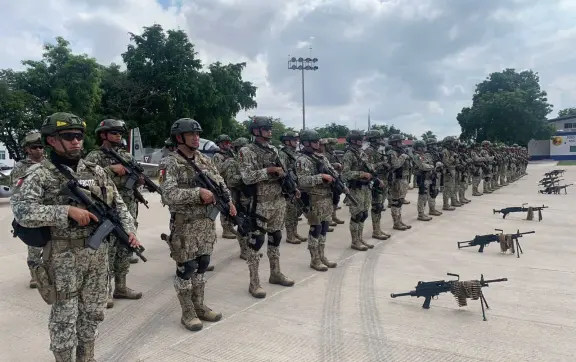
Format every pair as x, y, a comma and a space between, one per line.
567, 163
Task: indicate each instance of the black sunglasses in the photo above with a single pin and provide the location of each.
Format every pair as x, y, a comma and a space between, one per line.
115, 133
37, 147
72, 136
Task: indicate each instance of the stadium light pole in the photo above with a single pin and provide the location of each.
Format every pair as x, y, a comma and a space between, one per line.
303, 64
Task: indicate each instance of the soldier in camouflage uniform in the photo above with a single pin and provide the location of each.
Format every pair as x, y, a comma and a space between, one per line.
72, 278
337, 165
192, 232
462, 171
485, 153
109, 134
424, 172
259, 170
449, 162
433, 156
317, 187
288, 155
224, 142
399, 161
32, 145
478, 166
378, 158
354, 164
169, 146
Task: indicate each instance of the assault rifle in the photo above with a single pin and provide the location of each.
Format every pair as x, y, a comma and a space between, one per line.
221, 198
554, 173
289, 185
461, 290
554, 189
484, 240
529, 209
338, 185
135, 172
549, 181
108, 220
369, 169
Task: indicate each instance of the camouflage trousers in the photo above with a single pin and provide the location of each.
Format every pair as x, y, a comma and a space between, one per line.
275, 212
476, 178
34, 256
423, 195
364, 198
397, 193
503, 172
119, 256
449, 187
292, 214
190, 237
80, 276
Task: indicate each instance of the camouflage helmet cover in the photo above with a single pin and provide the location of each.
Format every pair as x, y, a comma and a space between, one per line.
222, 138
240, 142
431, 140
31, 138
419, 144
309, 135
374, 134
61, 121
395, 138
355, 134
288, 136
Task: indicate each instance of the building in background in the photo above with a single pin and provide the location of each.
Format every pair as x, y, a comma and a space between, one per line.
562, 146
5, 156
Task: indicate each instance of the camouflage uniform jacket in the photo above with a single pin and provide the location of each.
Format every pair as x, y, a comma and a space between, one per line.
352, 168
487, 157
449, 160
309, 179
230, 172
20, 169
38, 200
219, 158
101, 159
180, 190
424, 164
398, 163
288, 157
254, 159
379, 160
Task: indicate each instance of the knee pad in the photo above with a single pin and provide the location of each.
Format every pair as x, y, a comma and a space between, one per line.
364, 216
357, 218
275, 238
315, 231
256, 242
335, 199
186, 269
377, 208
433, 193
325, 226
396, 203
30, 263
203, 262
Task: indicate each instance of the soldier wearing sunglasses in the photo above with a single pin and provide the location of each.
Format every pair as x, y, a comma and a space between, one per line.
109, 135
32, 145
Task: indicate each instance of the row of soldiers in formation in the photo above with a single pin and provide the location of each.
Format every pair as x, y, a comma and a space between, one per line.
251, 177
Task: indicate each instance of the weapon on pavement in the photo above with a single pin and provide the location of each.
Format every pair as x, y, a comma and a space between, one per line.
135, 172
108, 219
338, 185
554, 173
549, 181
462, 290
530, 211
554, 189
507, 241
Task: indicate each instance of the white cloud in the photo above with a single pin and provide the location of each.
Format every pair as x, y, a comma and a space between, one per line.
414, 63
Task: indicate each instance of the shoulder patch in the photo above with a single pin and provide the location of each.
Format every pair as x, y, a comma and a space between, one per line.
20, 181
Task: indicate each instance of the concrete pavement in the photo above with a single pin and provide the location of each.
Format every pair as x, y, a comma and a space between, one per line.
344, 314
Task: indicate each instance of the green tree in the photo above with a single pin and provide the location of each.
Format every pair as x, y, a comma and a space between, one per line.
428, 134
507, 107
567, 112
278, 129
390, 130
333, 130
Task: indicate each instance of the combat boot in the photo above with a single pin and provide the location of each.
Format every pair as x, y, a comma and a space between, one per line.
432, 207
203, 312
434, 212
291, 237
85, 351
210, 268
189, 318
315, 262
405, 202
336, 219
66, 355
423, 217
377, 232
253, 262
33, 282
396, 219
323, 259
243, 247
356, 235
408, 227
332, 223
330, 229
228, 231
276, 276
121, 291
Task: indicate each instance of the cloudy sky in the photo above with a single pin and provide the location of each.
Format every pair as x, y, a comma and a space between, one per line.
413, 63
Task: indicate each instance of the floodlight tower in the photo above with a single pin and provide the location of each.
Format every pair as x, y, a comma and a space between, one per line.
302, 64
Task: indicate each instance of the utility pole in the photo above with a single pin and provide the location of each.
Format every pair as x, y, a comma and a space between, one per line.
303, 64
368, 119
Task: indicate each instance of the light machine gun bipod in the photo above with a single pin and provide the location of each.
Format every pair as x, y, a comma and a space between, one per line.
530, 211
507, 241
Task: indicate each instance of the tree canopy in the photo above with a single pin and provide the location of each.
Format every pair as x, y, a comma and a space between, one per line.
567, 112
427, 135
507, 107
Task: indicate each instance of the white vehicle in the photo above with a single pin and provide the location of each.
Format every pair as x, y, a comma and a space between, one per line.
5, 190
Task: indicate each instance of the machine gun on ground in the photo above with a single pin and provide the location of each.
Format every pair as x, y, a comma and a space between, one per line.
554, 173
554, 189
135, 173
549, 181
507, 241
338, 186
461, 290
530, 211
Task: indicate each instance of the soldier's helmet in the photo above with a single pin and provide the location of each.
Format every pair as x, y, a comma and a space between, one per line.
374, 135
419, 144
309, 135
222, 138
184, 125
240, 142
354, 135
485, 143
332, 141
258, 122
431, 141
289, 136
61, 121
448, 140
111, 125
32, 138
397, 137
